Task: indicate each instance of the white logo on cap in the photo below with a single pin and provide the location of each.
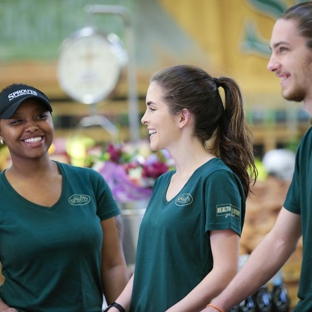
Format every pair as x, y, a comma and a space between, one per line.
18, 93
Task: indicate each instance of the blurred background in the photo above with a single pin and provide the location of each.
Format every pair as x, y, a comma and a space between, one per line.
49, 44
225, 37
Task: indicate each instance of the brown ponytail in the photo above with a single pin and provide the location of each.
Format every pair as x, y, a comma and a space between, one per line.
192, 88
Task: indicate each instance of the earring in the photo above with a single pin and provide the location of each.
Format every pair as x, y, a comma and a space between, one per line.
1, 141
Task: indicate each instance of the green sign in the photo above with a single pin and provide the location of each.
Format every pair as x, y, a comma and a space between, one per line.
35, 29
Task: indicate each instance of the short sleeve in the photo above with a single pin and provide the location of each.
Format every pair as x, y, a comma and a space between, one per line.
225, 202
292, 201
107, 206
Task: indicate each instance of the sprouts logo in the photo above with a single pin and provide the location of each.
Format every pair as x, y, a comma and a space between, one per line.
79, 199
184, 200
227, 210
18, 93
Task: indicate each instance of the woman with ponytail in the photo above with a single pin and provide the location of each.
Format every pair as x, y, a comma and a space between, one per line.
188, 248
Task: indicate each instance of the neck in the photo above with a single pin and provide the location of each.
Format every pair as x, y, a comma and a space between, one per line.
188, 160
308, 106
32, 169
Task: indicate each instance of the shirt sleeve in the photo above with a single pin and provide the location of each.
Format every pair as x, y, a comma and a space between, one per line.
107, 206
292, 201
225, 202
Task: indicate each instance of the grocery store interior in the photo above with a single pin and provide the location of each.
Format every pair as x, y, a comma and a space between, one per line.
94, 59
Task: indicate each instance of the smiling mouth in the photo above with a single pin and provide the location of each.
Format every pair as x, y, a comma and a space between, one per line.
283, 77
33, 140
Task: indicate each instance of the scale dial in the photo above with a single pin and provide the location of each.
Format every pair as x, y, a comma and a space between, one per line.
90, 65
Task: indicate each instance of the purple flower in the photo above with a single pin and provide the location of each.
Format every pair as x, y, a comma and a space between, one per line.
129, 174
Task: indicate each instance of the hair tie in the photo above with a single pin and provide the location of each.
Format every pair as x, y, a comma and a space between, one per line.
216, 80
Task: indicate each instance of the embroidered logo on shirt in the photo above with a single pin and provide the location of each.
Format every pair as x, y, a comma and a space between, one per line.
227, 210
79, 199
184, 200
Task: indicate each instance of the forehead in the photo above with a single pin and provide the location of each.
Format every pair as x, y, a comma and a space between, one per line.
286, 32
154, 90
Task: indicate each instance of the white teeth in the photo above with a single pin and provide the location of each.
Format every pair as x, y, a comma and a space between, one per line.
151, 131
33, 140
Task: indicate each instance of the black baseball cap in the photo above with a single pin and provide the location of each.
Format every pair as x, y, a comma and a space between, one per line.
13, 96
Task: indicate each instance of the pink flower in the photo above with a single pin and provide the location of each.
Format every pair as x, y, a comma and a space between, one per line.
115, 152
129, 172
154, 170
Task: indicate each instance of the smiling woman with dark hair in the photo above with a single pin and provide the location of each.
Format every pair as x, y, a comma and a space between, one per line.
188, 247
60, 246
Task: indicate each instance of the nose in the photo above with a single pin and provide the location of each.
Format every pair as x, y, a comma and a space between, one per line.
144, 120
273, 64
31, 125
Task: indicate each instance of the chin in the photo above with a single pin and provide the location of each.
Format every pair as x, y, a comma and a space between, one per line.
297, 95
152, 147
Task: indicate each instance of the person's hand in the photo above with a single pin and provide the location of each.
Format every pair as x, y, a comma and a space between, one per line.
9, 310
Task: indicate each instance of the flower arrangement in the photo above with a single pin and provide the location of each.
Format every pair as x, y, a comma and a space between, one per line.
130, 170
